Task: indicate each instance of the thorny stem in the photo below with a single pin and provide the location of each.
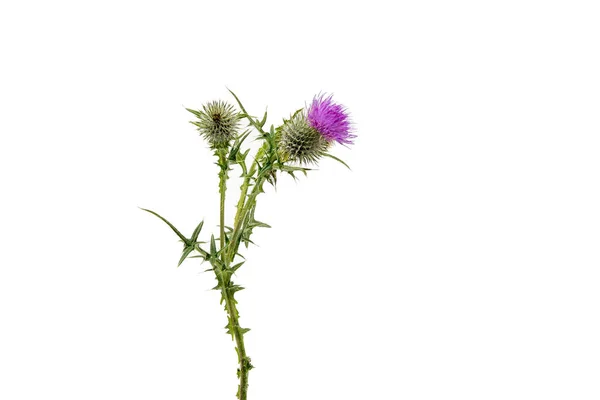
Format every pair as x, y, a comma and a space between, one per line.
243, 194
225, 283
227, 256
227, 294
224, 165
241, 224
238, 335
244, 188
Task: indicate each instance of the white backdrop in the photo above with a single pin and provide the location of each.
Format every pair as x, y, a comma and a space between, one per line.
457, 260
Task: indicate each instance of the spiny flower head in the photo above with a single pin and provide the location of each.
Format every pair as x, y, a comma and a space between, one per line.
217, 123
309, 133
331, 120
298, 141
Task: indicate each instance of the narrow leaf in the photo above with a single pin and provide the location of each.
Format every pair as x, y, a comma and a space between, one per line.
245, 113
183, 238
196, 232
186, 252
213, 246
336, 159
262, 122
259, 224
236, 266
235, 288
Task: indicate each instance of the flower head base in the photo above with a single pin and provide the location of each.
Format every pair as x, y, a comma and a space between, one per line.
331, 120
298, 141
217, 123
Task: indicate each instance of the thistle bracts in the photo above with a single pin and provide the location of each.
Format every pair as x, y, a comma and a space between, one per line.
217, 122
300, 142
309, 133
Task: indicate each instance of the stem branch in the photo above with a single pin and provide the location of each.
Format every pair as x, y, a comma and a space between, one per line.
239, 227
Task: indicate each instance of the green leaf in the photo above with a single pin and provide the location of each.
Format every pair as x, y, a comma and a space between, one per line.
244, 154
213, 246
203, 253
234, 288
259, 224
336, 159
236, 266
262, 122
244, 112
291, 169
235, 148
183, 238
196, 232
251, 120
186, 252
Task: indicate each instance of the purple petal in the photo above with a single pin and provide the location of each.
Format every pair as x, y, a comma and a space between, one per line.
331, 120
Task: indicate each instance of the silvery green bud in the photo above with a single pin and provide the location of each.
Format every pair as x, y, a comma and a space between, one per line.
299, 142
217, 123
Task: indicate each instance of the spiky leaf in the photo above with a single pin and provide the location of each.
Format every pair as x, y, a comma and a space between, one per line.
336, 159
196, 232
186, 252
183, 238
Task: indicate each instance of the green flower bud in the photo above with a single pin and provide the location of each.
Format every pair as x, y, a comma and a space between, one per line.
217, 123
300, 142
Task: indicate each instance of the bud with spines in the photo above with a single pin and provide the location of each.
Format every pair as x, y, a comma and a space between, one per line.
300, 142
217, 122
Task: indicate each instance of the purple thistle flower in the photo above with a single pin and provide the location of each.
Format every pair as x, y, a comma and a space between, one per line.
331, 120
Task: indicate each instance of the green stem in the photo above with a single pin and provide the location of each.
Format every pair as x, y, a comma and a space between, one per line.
230, 303
242, 200
238, 335
241, 223
245, 185
224, 165
224, 277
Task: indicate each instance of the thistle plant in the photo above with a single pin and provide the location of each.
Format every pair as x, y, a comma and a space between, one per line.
300, 141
